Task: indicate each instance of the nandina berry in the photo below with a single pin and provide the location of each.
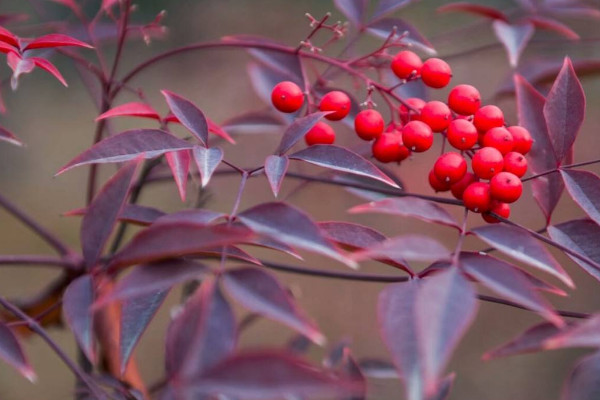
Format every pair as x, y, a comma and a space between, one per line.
488, 117
464, 99
287, 97
369, 124
506, 187
437, 115
436, 184
389, 147
335, 101
321, 133
407, 114
462, 134
436, 73
522, 139
515, 163
498, 208
406, 64
487, 162
459, 187
477, 197
417, 136
450, 167
499, 138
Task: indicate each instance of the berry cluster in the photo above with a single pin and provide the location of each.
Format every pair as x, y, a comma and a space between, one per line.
479, 133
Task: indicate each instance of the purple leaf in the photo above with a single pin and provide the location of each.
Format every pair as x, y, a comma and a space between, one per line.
127, 146
445, 386
520, 245
297, 130
341, 159
7, 136
388, 6
12, 352
580, 236
476, 9
133, 109
101, 215
264, 79
584, 381
291, 226
284, 63
132, 213
378, 369
179, 163
409, 207
253, 122
354, 10
406, 247
261, 292
584, 188
514, 38
584, 334
195, 215
507, 281
77, 308
553, 25
273, 244
207, 160
383, 27
275, 169
231, 252
189, 115
564, 110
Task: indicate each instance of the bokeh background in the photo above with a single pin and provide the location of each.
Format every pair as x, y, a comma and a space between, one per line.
57, 123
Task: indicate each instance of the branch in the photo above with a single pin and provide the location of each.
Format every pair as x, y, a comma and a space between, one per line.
35, 260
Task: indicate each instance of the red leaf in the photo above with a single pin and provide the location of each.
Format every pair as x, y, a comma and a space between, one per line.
583, 383
514, 38
130, 110
275, 169
179, 163
55, 40
49, 67
7, 48
217, 130
12, 352
8, 37
189, 115
406, 247
553, 25
77, 308
297, 130
207, 160
7, 136
477, 9
584, 188
354, 10
580, 236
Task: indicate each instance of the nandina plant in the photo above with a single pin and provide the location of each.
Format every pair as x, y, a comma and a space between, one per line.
114, 283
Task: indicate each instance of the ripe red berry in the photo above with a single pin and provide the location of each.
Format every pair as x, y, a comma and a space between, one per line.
436, 184
488, 117
477, 197
369, 124
321, 133
389, 147
499, 208
335, 101
515, 163
407, 114
417, 136
406, 64
487, 162
522, 139
459, 187
464, 99
437, 115
462, 134
287, 97
506, 187
450, 167
499, 138
436, 73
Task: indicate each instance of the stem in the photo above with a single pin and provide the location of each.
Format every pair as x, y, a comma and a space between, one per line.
124, 21
580, 164
461, 239
35, 260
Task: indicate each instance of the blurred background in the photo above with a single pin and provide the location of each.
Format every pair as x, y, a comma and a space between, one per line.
57, 123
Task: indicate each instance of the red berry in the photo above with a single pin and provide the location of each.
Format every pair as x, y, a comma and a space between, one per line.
369, 124
287, 97
488, 117
321, 133
437, 115
462, 134
335, 101
487, 162
388, 147
464, 99
436, 184
459, 187
499, 208
406, 64
406, 114
506, 187
500, 139
515, 163
477, 197
450, 167
436, 73
522, 139
417, 136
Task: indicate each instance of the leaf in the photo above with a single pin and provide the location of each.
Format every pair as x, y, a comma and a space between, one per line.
189, 115
55, 40
341, 159
520, 245
388, 6
12, 352
409, 207
507, 281
7, 136
133, 109
354, 10
476, 9
49, 67
19, 66
445, 386
514, 38
581, 237
179, 163
406, 247
261, 292
253, 122
584, 188
292, 226
284, 63
217, 130
132, 213
128, 145
297, 130
207, 160
383, 27
196, 215
77, 308
264, 79
9, 37
564, 110
553, 25
101, 215
584, 334
583, 383
275, 169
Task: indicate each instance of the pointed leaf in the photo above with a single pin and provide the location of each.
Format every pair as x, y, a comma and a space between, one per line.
132, 213
253, 122
77, 308
12, 352
8, 37
49, 67
406, 247
388, 6
580, 236
354, 10
584, 334
383, 27
553, 25
584, 381
133, 109
196, 215
275, 169
264, 79
189, 115
297, 130
584, 188
284, 63
514, 38
476, 9
55, 40
217, 130
207, 160
179, 163
7, 136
